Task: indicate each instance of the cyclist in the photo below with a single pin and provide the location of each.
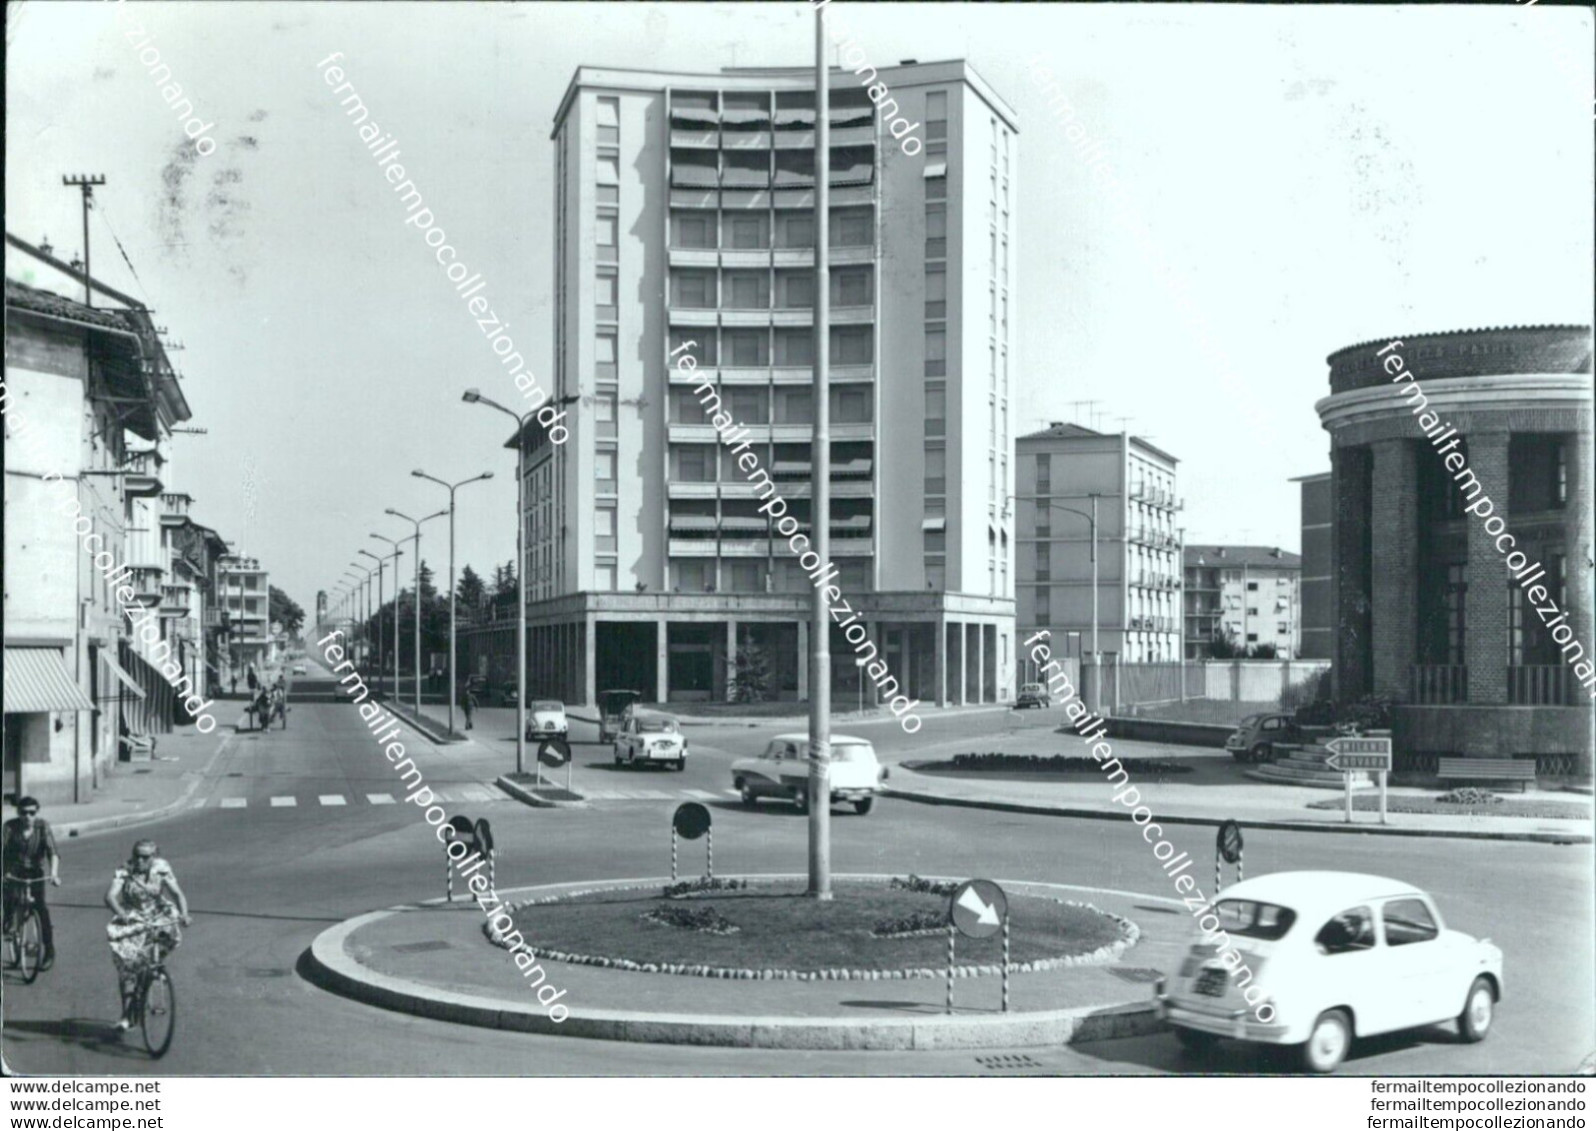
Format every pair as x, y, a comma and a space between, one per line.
279, 701
142, 898
27, 842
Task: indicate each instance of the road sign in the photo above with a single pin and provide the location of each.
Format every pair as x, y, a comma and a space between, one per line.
554, 751
691, 820
484, 834
1348, 754
978, 908
1229, 842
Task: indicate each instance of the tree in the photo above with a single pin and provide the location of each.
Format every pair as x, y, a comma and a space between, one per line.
470, 591
1262, 652
504, 586
282, 609
754, 676
429, 591
1222, 647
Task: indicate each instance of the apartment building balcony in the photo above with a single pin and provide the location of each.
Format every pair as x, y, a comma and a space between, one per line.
1541, 685
1439, 683
745, 139
744, 317
695, 197
694, 256
692, 547
694, 315
852, 315
680, 489
695, 137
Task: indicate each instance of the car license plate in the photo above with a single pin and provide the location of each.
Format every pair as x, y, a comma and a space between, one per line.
1211, 982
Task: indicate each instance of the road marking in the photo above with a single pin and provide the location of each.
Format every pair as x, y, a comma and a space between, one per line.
283, 802
200, 804
477, 793
332, 799
380, 798
234, 802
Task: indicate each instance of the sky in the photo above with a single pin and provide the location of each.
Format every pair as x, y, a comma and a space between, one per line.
1309, 177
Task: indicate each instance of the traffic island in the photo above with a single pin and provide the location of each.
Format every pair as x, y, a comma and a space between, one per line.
527, 789
434, 960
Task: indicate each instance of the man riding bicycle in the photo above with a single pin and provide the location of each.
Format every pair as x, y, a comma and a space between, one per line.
27, 842
142, 897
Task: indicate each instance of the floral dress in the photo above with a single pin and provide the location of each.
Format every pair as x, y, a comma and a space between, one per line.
145, 901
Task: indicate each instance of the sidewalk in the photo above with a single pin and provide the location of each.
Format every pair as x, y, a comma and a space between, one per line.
136, 793
1210, 797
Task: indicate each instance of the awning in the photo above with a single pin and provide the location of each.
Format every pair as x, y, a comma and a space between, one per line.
121, 676
37, 680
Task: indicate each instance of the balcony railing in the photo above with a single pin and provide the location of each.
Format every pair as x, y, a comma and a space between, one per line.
1539, 685
1440, 683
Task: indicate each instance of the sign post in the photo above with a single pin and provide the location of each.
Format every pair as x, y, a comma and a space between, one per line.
691, 821
555, 752
978, 909
1350, 755
1227, 850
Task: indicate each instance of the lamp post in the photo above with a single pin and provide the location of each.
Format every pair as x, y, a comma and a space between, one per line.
820, 494
474, 396
359, 610
416, 593
451, 488
374, 619
1097, 656
395, 556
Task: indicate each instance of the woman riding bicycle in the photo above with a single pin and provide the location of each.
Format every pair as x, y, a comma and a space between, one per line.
142, 897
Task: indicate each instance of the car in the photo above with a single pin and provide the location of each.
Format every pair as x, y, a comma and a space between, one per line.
649, 737
299, 669
783, 771
546, 719
1033, 695
612, 707
1335, 956
1254, 737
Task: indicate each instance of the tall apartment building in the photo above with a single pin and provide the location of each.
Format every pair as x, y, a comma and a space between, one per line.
1062, 469
684, 213
1317, 634
1248, 595
244, 595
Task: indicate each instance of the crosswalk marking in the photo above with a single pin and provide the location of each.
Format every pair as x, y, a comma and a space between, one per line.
234, 802
477, 793
332, 799
283, 802
380, 798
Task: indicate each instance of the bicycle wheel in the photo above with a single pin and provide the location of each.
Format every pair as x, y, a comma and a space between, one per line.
30, 944
158, 1015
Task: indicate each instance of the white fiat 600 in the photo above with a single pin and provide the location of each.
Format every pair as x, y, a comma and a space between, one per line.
1330, 956
855, 773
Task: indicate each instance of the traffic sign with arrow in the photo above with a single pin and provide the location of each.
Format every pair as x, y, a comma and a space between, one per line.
1349, 754
978, 908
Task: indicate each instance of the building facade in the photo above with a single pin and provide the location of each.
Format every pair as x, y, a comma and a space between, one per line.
1427, 608
1317, 631
685, 225
1066, 474
244, 596
1248, 596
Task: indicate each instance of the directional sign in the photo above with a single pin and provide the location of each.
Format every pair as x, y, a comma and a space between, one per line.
691, 820
484, 835
554, 751
978, 908
1229, 842
1348, 754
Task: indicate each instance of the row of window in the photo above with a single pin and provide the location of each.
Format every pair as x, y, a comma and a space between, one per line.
751, 346
782, 405
764, 168
754, 231
751, 289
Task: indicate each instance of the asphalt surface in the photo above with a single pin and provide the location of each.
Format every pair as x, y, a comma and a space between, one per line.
264, 878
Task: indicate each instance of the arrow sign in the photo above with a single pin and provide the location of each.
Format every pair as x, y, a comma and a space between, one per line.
978, 908
1349, 754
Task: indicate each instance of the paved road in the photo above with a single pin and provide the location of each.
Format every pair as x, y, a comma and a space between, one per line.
264, 878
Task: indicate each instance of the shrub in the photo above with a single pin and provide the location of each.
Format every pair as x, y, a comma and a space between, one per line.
929, 887
1309, 691
754, 680
1468, 795
701, 884
910, 924
1372, 712
704, 918
1057, 763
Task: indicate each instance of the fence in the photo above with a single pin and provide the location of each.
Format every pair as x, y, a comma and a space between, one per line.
1236, 681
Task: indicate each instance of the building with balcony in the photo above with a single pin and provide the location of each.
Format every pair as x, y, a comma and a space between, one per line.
1431, 604
1317, 632
1249, 596
244, 597
685, 225
1066, 470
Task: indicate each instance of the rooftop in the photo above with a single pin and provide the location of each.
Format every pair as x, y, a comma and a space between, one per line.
1265, 557
1062, 430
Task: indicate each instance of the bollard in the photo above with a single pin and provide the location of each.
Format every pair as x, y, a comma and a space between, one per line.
950, 966
673, 854
493, 858
1005, 964
711, 835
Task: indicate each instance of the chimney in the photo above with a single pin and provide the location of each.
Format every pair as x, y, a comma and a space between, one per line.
1275, 553
1219, 551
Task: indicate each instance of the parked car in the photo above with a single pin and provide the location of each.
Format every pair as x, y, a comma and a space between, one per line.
1254, 737
612, 709
648, 737
546, 718
1337, 955
783, 771
299, 669
1033, 695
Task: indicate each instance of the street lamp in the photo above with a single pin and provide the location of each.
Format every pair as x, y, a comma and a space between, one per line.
415, 601
396, 555
362, 600
474, 396
374, 619
451, 488
1097, 656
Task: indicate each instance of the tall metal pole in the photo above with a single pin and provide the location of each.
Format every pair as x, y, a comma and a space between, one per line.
520, 594
415, 608
1097, 656
86, 184
397, 554
449, 694
820, 506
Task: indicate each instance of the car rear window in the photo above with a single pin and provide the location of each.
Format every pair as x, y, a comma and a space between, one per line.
656, 726
852, 752
548, 705
1253, 920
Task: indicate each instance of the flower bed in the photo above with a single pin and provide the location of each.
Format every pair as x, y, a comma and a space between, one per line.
701, 885
1042, 764
781, 934
705, 919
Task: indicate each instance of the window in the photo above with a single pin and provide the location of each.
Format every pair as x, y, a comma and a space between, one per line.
794, 406
852, 227
747, 347
604, 529
1042, 605
747, 406
692, 230
936, 351
1252, 920
936, 231
936, 464
936, 292
795, 230
795, 346
692, 575
604, 355
604, 293
747, 232
1252, 612
604, 470
795, 290
604, 577
936, 410
850, 405
936, 187
1408, 921
685, 407
936, 541
1455, 600
608, 120
850, 286
604, 231
1252, 587
693, 290
1351, 930
936, 114
608, 171
744, 576
702, 348
1044, 474
695, 463
1559, 473
851, 345
747, 290
604, 413
1252, 638
1044, 561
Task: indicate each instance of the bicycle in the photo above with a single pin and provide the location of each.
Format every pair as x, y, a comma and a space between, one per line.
153, 1006
24, 937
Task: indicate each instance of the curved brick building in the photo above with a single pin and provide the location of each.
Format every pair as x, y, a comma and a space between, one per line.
1426, 608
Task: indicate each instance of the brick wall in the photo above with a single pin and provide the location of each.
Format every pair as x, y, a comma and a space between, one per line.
1485, 604
1394, 552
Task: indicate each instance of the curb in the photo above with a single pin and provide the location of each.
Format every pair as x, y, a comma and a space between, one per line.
528, 797
429, 728
1280, 826
170, 809
329, 965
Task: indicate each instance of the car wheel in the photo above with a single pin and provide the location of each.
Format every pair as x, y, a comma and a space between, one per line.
746, 791
864, 805
681, 764
1478, 1010
1195, 1040
1328, 1043
1259, 753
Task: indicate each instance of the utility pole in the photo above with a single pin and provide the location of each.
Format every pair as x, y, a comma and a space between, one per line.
86, 182
820, 505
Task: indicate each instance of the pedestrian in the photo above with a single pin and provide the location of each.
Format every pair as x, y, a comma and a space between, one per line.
25, 843
251, 679
235, 682
468, 699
